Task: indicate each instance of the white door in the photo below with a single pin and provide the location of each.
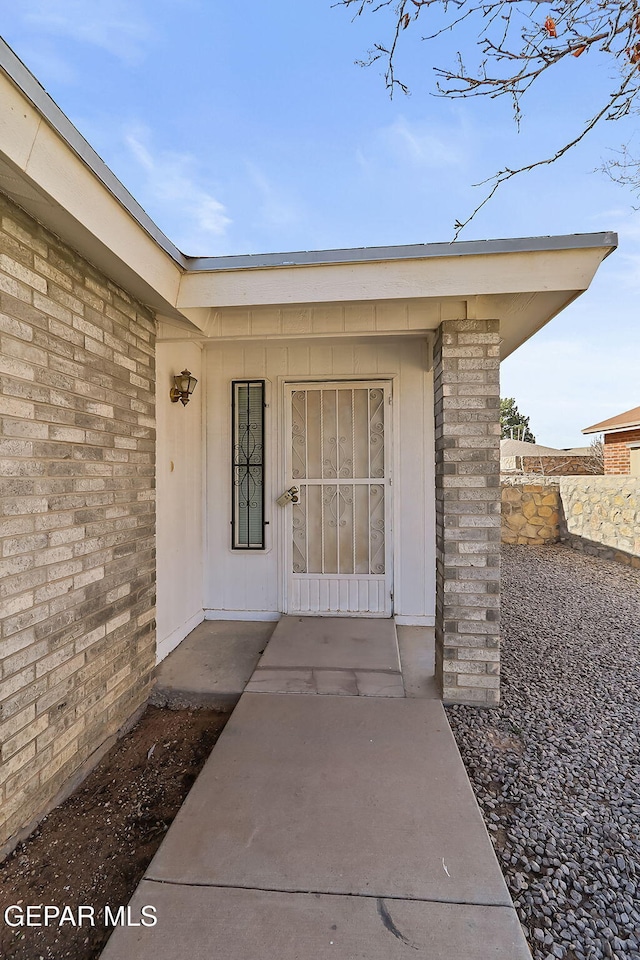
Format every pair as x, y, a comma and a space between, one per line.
338, 544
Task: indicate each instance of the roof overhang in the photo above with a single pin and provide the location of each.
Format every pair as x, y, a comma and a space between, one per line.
602, 429
48, 168
622, 422
523, 283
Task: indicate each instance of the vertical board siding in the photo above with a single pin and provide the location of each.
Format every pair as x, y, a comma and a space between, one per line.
252, 582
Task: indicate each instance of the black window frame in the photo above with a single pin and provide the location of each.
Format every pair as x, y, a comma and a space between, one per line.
240, 461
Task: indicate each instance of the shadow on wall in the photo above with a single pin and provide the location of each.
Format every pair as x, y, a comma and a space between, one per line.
599, 516
593, 547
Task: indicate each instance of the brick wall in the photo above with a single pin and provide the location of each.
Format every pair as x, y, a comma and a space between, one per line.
617, 456
77, 517
467, 410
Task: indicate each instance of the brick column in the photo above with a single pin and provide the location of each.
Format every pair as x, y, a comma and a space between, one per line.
467, 435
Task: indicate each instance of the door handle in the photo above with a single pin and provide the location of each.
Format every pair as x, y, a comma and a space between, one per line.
289, 496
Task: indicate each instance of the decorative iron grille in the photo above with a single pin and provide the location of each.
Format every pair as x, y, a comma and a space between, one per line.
247, 520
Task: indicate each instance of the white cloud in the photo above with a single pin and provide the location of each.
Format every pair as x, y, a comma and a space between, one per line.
422, 144
113, 25
172, 186
275, 209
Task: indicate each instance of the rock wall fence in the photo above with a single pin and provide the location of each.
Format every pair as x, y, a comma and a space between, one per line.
598, 515
553, 466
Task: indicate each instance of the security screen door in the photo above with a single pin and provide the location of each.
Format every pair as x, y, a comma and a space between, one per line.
338, 452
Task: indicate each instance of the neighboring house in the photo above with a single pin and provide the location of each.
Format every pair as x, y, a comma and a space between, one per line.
518, 456
367, 379
621, 442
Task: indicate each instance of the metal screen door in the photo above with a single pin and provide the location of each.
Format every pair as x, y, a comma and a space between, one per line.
338, 446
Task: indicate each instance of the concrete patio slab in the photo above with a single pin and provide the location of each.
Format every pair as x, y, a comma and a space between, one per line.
340, 683
204, 922
332, 656
212, 665
333, 643
417, 646
335, 795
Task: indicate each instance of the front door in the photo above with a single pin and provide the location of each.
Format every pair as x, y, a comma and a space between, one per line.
338, 543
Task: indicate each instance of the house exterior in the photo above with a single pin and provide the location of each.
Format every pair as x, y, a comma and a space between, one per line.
368, 380
519, 456
621, 442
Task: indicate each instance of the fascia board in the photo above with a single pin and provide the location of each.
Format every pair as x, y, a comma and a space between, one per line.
621, 428
449, 276
74, 203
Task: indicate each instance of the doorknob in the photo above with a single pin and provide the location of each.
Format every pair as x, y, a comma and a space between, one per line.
289, 496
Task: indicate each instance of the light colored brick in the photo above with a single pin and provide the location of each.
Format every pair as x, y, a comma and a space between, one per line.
19, 760
472, 680
20, 272
10, 727
467, 500
68, 514
13, 407
15, 604
24, 737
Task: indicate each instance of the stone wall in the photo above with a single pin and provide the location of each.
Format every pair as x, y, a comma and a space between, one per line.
467, 435
530, 513
599, 515
78, 520
603, 512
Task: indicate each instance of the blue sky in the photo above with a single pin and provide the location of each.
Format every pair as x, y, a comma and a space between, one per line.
247, 127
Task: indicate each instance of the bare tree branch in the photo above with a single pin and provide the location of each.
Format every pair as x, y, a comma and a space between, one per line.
519, 41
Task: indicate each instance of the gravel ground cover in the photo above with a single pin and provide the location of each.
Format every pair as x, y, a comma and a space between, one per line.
556, 768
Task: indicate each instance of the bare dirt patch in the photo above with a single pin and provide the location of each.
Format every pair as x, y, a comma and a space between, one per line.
93, 849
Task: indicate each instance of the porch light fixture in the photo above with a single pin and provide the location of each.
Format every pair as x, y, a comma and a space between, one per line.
183, 386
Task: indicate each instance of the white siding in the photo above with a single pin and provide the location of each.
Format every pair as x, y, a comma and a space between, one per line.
252, 582
180, 524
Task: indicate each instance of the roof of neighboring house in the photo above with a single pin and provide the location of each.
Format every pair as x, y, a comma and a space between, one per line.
623, 421
522, 448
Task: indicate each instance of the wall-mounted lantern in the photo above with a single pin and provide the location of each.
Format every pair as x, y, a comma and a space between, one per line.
183, 386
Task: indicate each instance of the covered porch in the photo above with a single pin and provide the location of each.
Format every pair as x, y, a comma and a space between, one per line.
340, 456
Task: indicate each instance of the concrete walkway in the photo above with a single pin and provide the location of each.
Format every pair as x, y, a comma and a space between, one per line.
333, 825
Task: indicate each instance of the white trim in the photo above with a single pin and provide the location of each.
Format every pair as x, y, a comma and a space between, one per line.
623, 428
387, 384
175, 638
410, 621
260, 615
351, 614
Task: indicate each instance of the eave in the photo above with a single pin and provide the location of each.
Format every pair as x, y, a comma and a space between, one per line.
48, 168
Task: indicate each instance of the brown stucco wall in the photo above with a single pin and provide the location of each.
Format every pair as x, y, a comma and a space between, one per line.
77, 562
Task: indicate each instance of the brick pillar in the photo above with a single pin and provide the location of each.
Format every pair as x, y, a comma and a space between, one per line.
467, 434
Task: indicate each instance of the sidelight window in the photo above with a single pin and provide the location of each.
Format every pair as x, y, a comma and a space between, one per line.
247, 521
